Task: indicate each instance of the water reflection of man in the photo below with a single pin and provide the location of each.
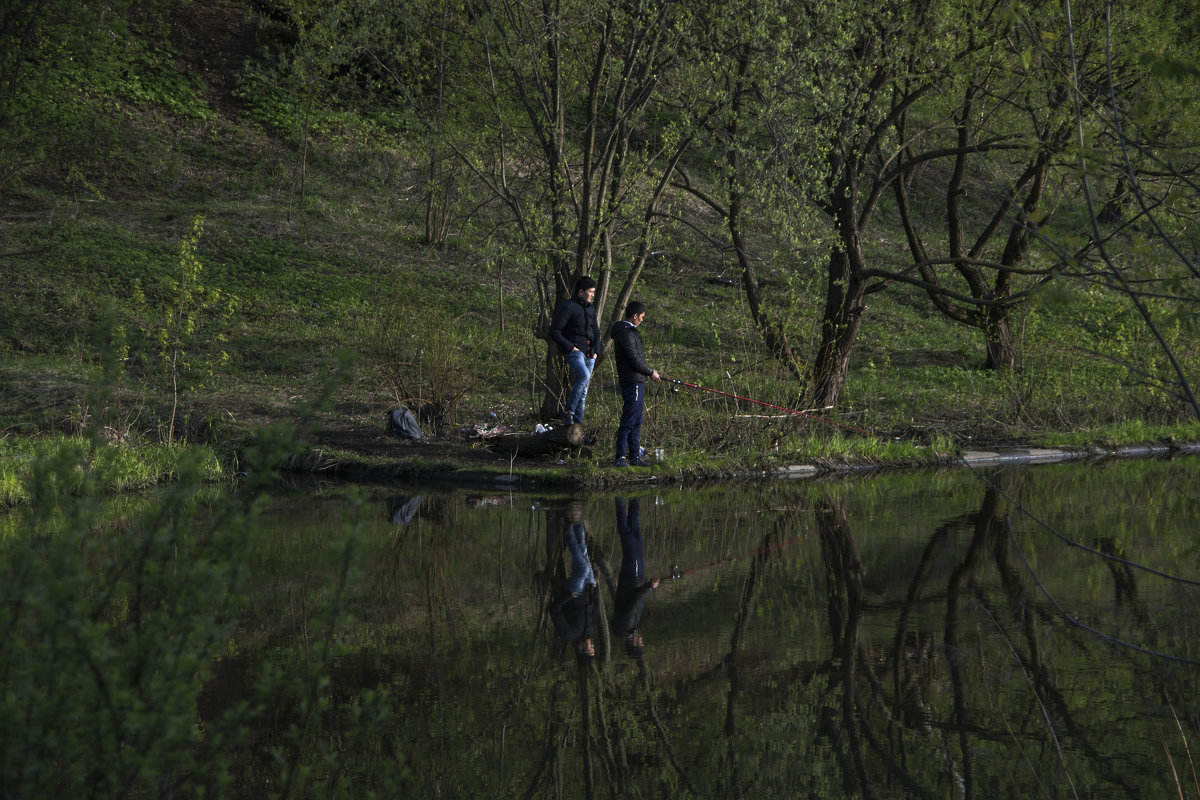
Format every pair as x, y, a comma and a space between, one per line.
632, 586
574, 614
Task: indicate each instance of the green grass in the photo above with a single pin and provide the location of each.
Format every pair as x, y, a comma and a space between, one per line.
1122, 433
94, 468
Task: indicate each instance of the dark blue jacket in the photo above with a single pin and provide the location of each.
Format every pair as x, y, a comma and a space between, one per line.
631, 358
574, 325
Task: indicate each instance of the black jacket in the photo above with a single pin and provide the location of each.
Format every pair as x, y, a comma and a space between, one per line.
574, 325
574, 617
631, 358
627, 608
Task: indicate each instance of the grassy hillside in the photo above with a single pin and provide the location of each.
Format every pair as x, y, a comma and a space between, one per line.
189, 270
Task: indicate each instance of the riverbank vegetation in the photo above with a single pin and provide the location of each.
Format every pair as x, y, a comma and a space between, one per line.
216, 214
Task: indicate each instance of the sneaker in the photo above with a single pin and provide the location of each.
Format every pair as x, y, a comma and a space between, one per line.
637, 462
620, 462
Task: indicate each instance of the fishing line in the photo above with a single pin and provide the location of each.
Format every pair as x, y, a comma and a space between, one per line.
771, 405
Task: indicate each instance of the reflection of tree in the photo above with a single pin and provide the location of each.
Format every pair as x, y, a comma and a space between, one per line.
570, 720
883, 733
1124, 585
844, 585
961, 587
913, 649
848, 725
1030, 617
807, 656
928, 720
548, 769
732, 663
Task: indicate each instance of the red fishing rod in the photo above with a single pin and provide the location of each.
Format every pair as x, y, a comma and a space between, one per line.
770, 405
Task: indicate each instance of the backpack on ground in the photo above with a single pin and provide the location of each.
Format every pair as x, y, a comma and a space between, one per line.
402, 424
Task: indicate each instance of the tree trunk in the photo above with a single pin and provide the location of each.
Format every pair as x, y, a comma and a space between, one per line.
844, 306
556, 385
773, 332
1001, 351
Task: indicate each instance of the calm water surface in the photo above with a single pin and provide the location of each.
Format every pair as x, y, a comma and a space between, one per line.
1016, 632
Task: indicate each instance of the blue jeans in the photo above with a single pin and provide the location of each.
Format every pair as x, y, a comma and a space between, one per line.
629, 429
581, 375
581, 564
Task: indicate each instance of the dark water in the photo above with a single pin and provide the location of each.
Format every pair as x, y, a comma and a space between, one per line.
1021, 632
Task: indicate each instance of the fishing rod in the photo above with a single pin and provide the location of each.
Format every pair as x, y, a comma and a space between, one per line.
770, 405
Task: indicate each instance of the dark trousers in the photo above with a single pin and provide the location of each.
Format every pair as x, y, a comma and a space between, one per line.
629, 430
629, 527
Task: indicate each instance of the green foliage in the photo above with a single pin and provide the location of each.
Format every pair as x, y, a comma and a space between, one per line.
1120, 434
99, 696
152, 79
121, 618
64, 66
272, 105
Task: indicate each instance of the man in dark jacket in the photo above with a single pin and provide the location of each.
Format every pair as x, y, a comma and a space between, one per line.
632, 372
575, 330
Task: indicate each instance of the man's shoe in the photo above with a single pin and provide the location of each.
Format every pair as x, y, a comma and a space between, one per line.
637, 462
620, 462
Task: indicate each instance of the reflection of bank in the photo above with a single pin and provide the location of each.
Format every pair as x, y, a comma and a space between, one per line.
632, 587
574, 605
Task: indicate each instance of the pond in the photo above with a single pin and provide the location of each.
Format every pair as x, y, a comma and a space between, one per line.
1017, 631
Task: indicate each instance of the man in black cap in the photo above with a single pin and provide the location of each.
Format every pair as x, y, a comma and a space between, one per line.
575, 330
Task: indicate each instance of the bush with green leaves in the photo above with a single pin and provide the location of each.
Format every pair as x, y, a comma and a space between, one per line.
120, 614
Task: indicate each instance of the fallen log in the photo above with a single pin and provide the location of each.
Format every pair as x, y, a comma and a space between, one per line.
570, 437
